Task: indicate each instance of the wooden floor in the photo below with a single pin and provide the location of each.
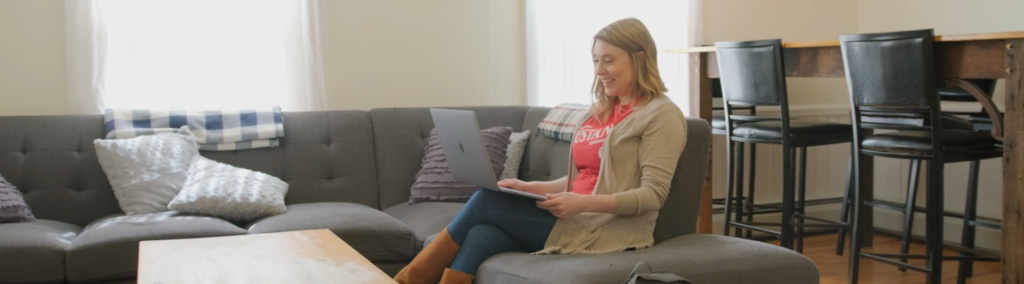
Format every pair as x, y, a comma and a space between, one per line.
833, 269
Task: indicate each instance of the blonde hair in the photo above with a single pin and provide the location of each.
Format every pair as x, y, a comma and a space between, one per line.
632, 36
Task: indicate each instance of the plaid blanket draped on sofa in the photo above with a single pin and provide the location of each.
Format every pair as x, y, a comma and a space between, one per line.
215, 130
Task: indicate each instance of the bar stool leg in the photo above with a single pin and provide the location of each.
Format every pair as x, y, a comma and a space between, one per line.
970, 214
908, 212
788, 190
801, 197
855, 226
728, 186
845, 210
750, 187
740, 207
933, 222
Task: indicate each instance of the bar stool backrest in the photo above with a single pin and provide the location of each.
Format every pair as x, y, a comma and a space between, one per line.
895, 70
891, 79
751, 75
751, 72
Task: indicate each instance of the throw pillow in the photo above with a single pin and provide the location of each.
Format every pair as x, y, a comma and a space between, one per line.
514, 155
562, 121
231, 193
434, 182
146, 172
12, 204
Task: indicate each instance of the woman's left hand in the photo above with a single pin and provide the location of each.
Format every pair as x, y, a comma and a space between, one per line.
564, 204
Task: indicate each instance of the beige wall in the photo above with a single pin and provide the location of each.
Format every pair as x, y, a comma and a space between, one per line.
425, 53
790, 20
32, 57
377, 54
945, 16
465, 52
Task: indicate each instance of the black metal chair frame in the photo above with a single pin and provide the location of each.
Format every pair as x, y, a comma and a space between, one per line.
792, 210
926, 107
909, 207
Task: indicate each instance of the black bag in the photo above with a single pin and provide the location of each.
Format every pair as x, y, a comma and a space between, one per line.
653, 276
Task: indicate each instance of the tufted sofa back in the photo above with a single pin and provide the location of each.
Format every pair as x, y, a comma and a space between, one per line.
324, 156
369, 158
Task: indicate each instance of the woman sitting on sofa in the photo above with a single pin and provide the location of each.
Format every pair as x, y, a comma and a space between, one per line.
617, 179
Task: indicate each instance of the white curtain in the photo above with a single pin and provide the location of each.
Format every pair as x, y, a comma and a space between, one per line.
199, 54
558, 39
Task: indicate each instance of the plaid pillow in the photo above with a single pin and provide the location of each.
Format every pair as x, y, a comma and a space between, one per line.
563, 120
12, 205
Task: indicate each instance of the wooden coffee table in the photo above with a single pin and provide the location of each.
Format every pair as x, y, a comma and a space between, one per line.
314, 256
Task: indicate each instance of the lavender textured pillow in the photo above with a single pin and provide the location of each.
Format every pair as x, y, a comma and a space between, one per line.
434, 182
12, 205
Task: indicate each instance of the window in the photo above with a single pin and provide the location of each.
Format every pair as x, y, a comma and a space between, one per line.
200, 54
559, 33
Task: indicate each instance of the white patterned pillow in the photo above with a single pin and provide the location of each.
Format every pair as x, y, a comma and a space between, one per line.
228, 192
514, 154
146, 172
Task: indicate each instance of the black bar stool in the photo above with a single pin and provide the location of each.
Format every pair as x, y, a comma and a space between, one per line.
752, 74
892, 84
978, 121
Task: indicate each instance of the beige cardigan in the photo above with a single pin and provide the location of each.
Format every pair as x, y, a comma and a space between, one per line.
638, 160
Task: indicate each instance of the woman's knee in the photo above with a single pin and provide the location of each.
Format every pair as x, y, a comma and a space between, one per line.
482, 197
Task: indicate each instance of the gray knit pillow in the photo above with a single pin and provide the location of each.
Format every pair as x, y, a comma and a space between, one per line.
434, 182
12, 205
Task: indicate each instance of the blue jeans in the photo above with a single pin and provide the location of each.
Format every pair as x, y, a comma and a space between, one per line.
493, 223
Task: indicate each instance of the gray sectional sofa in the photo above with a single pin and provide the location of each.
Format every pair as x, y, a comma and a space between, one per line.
350, 172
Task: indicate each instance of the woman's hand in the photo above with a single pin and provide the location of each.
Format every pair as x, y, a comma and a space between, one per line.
564, 204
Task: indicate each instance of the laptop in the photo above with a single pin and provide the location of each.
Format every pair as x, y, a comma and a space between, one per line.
463, 146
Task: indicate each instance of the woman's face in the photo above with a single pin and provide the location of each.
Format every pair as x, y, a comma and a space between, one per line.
613, 68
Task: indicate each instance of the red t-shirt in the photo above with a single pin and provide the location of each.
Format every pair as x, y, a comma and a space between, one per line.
585, 145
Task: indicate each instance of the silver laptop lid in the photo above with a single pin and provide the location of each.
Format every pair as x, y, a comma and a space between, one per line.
463, 147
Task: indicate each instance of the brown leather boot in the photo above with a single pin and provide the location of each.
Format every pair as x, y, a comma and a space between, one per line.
455, 277
428, 266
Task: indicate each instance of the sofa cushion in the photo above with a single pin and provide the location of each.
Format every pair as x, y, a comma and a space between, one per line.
34, 251
425, 218
514, 154
108, 249
399, 135
563, 120
232, 193
12, 205
372, 233
434, 181
701, 258
147, 171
